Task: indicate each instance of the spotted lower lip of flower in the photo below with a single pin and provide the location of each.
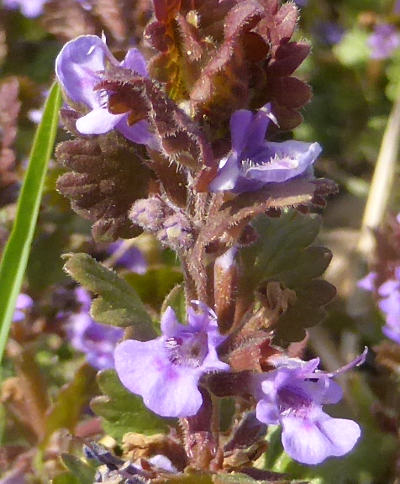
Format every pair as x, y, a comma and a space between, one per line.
293, 396
166, 371
254, 162
79, 68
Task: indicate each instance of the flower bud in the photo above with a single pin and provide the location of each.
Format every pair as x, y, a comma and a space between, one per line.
177, 232
148, 213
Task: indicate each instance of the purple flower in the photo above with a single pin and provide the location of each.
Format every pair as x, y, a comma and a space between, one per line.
29, 8
383, 41
80, 67
301, 3
368, 282
96, 340
254, 162
165, 371
16, 476
131, 257
389, 303
330, 33
293, 396
24, 303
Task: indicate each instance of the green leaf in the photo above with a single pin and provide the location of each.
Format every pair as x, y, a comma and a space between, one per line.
294, 270
307, 311
65, 478
16, 252
279, 250
195, 478
70, 401
283, 253
123, 411
118, 303
83, 472
155, 284
176, 299
238, 478
275, 449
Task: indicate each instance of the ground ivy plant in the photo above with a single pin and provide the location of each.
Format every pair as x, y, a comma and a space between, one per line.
188, 140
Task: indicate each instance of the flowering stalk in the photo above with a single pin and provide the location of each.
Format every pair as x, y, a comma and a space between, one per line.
188, 146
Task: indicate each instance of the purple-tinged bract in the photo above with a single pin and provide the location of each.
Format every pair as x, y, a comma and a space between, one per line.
166, 371
80, 67
96, 340
254, 162
293, 396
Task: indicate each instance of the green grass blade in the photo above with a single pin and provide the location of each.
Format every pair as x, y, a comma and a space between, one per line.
16, 252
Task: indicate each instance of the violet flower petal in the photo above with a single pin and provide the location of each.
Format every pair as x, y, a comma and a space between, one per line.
257, 130
368, 282
228, 174
239, 124
267, 413
96, 341
388, 287
292, 158
135, 61
83, 298
169, 323
391, 304
392, 332
29, 8
166, 371
254, 162
383, 41
98, 121
144, 369
132, 258
23, 303
78, 68
293, 396
138, 133
311, 441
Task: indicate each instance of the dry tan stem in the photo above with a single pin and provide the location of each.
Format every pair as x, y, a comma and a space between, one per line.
381, 182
